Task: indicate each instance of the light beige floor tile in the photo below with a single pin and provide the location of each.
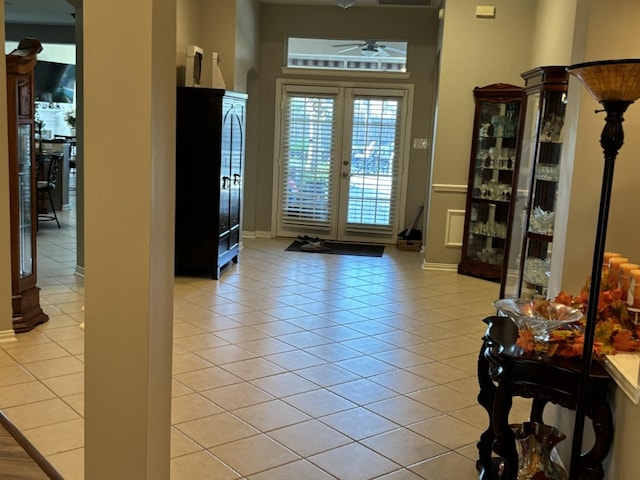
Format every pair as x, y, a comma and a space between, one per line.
14, 374
284, 384
64, 333
253, 368
200, 341
38, 414
294, 359
76, 402
443, 398
327, 375
192, 406
181, 444
451, 465
69, 464
238, 395
206, 378
404, 446
333, 352
270, 415
65, 385
320, 402
402, 474
23, 393
403, 410
362, 391
34, 353
402, 358
216, 429
310, 437
448, 431
5, 359
438, 372
265, 346
254, 454
359, 423
188, 362
55, 367
225, 354
402, 381
58, 437
200, 465
354, 462
297, 470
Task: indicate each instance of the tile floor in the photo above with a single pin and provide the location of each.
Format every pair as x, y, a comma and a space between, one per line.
292, 366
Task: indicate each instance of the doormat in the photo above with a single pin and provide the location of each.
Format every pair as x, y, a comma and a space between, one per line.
337, 248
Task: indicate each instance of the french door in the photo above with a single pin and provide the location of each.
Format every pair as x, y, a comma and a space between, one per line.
340, 162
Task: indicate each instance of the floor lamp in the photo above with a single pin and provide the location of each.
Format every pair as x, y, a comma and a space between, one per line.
616, 85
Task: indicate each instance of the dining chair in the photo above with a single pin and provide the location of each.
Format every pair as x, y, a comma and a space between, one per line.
47, 185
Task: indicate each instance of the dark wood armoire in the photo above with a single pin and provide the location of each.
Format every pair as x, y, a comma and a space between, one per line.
210, 142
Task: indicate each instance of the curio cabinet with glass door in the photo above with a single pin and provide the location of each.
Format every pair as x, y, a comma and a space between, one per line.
492, 170
529, 251
23, 218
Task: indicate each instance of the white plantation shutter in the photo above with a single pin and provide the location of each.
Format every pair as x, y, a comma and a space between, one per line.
308, 150
376, 132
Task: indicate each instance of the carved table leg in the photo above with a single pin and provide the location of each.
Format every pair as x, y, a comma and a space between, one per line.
591, 462
485, 399
505, 443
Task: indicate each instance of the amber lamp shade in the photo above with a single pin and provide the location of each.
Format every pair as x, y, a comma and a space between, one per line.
616, 85
610, 80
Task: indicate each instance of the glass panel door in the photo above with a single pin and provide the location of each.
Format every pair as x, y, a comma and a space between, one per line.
25, 190
339, 169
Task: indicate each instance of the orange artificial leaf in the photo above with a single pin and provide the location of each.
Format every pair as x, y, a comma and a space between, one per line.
625, 342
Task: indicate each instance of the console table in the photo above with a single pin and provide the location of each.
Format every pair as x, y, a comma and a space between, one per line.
505, 371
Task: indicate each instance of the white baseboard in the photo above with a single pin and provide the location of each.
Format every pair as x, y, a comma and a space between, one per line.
257, 234
440, 267
7, 336
79, 271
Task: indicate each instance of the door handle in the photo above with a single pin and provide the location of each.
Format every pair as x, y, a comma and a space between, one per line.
346, 174
236, 178
224, 182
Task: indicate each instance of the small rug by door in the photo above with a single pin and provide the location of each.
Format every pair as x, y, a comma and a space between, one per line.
338, 248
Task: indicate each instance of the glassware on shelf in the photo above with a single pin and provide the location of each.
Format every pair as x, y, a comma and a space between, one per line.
542, 221
547, 172
537, 271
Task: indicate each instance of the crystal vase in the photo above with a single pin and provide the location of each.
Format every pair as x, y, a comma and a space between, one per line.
534, 442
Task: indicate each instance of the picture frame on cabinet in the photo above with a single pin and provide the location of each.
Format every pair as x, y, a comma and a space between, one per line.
193, 66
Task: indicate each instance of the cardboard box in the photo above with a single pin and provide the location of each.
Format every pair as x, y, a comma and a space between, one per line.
409, 245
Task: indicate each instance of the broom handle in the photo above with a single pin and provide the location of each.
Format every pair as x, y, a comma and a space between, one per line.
415, 219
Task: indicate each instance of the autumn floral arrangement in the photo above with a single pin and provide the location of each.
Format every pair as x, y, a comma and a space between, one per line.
614, 332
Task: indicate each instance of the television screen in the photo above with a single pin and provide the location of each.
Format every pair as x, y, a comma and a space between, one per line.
54, 82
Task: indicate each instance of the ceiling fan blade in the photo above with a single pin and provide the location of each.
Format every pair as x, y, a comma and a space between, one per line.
349, 49
349, 45
397, 50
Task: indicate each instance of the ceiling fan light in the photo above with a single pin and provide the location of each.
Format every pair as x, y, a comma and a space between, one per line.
345, 3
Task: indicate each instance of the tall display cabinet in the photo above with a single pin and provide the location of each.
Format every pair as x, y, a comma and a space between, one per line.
210, 143
27, 312
529, 251
492, 169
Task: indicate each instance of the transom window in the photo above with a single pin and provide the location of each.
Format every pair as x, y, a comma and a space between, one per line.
350, 54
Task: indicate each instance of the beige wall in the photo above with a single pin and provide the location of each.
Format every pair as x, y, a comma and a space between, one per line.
475, 52
418, 26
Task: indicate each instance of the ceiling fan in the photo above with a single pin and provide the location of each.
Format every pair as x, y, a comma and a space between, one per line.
369, 48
